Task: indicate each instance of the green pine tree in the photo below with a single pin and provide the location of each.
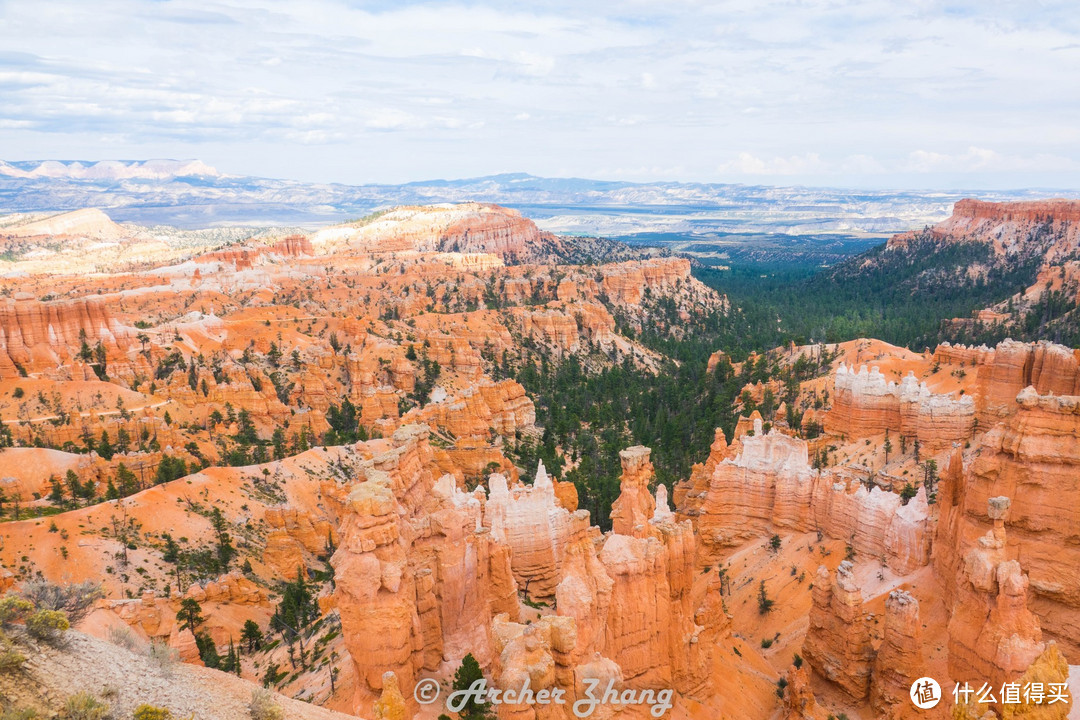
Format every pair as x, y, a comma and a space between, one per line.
466, 675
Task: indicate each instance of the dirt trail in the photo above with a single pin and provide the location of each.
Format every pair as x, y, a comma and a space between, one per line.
103, 413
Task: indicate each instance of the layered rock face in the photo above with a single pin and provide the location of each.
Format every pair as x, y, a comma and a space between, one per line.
769, 481
502, 406
634, 507
993, 636
535, 527
865, 403
40, 335
419, 574
1037, 211
1010, 227
899, 659
464, 228
244, 257
426, 572
567, 327
293, 537
662, 616
769, 485
494, 230
1032, 458
626, 282
292, 246
1006, 369
838, 643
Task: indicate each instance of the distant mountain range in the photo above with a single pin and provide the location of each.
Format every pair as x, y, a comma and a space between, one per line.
190, 193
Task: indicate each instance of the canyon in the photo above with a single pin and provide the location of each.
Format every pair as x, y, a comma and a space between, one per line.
341, 430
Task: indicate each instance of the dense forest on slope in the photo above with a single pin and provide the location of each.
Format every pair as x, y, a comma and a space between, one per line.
899, 295
592, 415
902, 295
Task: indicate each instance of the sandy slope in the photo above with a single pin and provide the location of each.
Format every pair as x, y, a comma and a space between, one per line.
126, 679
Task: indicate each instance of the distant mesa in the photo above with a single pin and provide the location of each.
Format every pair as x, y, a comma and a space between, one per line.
464, 228
1006, 226
90, 222
1057, 209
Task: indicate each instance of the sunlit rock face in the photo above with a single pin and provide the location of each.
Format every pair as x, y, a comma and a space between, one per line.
769, 486
535, 527
838, 643
992, 633
472, 228
865, 404
1002, 371
38, 335
1032, 459
899, 660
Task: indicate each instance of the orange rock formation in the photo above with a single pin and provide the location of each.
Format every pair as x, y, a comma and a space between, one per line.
865, 403
38, 335
770, 486
993, 636
898, 662
1030, 458
838, 642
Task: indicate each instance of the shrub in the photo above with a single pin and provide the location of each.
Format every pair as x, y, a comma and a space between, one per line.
263, 706
149, 712
272, 676
73, 599
47, 625
13, 608
907, 493
165, 656
765, 603
124, 637
10, 657
24, 714
84, 706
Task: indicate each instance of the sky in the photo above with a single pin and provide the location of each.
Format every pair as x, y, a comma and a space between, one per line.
847, 93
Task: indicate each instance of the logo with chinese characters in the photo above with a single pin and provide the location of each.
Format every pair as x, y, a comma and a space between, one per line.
1012, 693
925, 693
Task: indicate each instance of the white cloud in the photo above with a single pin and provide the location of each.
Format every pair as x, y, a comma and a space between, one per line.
973, 159
976, 159
748, 164
817, 90
534, 64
